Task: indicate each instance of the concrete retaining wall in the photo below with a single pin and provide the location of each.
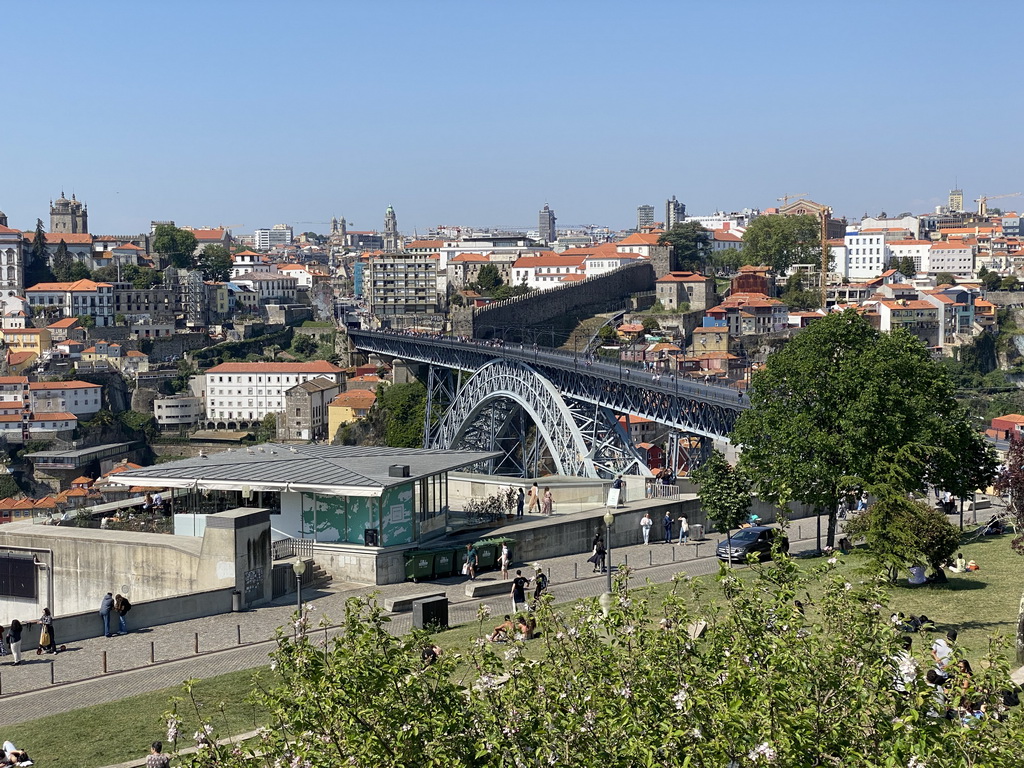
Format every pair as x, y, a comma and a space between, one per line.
149, 613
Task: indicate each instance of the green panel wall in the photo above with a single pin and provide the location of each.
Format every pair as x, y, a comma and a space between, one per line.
397, 515
360, 517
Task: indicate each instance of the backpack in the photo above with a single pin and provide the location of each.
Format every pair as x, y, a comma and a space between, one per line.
124, 607
542, 581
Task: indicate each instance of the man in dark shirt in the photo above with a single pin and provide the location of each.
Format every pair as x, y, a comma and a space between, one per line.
519, 584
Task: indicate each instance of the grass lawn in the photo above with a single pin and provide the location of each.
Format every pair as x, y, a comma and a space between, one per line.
981, 606
123, 730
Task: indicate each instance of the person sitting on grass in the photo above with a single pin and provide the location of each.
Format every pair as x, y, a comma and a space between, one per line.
959, 565
503, 631
525, 627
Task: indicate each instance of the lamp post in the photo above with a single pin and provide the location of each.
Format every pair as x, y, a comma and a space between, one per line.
299, 567
609, 518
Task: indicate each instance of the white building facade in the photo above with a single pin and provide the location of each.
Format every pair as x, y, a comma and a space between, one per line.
237, 392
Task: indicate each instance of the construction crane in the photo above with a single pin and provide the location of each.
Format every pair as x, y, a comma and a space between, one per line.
786, 198
983, 201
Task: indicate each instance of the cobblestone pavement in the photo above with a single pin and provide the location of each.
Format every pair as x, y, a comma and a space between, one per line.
236, 641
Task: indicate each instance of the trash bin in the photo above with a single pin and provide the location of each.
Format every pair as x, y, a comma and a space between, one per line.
487, 551
430, 613
419, 565
697, 532
444, 562
236, 601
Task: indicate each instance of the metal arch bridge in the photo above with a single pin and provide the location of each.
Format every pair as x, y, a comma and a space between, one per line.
571, 401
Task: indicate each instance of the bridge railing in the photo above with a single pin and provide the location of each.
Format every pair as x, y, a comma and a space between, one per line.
625, 372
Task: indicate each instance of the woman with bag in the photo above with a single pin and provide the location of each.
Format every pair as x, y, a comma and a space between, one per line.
548, 504
14, 641
47, 640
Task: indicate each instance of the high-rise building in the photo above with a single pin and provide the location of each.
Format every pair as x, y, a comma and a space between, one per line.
644, 216
279, 234
675, 212
546, 225
68, 216
956, 200
390, 231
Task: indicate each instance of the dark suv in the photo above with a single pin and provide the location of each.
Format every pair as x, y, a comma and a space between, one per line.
757, 540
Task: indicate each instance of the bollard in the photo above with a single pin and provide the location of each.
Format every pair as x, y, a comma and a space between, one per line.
625, 560
575, 570
1, 684
799, 531
673, 554
696, 554
650, 558
51, 672
104, 662
152, 652
197, 642
239, 634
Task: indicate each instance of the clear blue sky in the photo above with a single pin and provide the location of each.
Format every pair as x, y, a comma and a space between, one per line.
254, 113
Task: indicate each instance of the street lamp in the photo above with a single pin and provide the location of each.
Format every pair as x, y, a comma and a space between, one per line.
609, 518
299, 567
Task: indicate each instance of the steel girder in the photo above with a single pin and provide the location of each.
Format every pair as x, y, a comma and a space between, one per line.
582, 439
699, 409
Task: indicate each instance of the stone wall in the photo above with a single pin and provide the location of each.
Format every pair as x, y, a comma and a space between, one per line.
595, 294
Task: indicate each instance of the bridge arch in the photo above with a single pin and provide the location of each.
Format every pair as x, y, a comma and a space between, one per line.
574, 452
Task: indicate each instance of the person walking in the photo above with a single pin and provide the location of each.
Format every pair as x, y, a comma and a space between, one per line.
122, 606
534, 503
646, 523
520, 502
684, 530
14, 640
667, 523
597, 554
518, 593
105, 607
47, 640
504, 559
548, 505
472, 561
540, 583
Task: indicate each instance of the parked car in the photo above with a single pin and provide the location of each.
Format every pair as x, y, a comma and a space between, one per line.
756, 540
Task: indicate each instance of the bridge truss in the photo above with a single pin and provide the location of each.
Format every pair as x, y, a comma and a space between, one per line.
549, 409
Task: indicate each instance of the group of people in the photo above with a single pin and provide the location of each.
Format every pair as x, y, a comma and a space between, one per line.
514, 627
120, 605
12, 639
519, 586
646, 523
537, 501
11, 755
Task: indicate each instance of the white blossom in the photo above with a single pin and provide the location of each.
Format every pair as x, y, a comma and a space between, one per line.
833, 560
762, 751
680, 698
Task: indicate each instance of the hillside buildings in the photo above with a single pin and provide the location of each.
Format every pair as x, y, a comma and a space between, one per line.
240, 394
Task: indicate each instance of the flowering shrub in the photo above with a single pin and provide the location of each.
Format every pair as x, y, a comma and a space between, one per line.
750, 680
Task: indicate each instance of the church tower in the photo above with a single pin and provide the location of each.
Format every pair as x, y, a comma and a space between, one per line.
390, 231
68, 216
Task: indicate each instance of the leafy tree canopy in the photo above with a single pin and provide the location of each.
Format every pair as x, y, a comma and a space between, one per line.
843, 404
691, 245
176, 244
761, 685
403, 409
37, 268
945, 278
724, 492
141, 277
488, 278
215, 262
797, 298
782, 241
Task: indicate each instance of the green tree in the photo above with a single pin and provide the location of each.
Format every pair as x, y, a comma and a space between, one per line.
215, 262
795, 297
782, 241
906, 266
842, 405
728, 260
991, 280
78, 271
304, 345
1009, 283
607, 333
266, 432
62, 263
760, 685
691, 245
901, 533
488, 278
724, 493
651, 325
87, 321
105, 275
945, 278
141, 277
8, 486
37, 268
402, 409
177, 245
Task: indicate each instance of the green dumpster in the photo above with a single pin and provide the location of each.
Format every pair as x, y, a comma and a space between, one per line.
419, 565
444, 562
488, 553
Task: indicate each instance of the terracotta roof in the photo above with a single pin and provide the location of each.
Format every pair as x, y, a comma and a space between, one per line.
728, 237
81, 480
949, 247
58, 416
67, 322
78, 285
128, 247
639, 238
711, 329
573, 278
631, 327
23, 331
905, 304
249, 253
43, 385
419, 244
316, 366
13, 380
1014, 417
909, 242
474, 257
983, 303
682, 277
208, 234
17, 358
361, 398
9, 231
52, 238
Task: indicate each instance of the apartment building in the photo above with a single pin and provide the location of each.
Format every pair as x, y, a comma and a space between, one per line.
242, 393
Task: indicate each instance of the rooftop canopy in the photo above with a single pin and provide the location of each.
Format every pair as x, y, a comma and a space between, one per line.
335, 470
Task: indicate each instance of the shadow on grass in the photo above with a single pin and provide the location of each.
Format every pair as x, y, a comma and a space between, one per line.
953, 585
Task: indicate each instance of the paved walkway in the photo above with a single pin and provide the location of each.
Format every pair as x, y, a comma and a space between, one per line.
236, 641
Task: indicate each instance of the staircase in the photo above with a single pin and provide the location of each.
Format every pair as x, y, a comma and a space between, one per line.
283, 577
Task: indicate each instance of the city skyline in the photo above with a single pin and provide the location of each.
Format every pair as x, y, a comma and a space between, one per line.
246, 116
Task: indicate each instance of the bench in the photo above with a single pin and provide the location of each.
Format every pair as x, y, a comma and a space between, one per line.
483, 587
399, 603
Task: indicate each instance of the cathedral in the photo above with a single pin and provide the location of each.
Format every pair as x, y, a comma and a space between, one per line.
68, 216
